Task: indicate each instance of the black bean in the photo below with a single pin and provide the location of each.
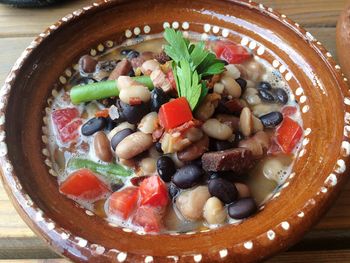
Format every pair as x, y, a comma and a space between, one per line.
271, 119
197, 162
133, 113
264, 85
131, 73
242, 83
132, 54
219, 145
110, 124
187, 176
243, 208
108, 65
116, 186
93, 125
238, 137
223, 189
87, 64
119, 136
173, 190
125, 52
213, 175
159, 147
165, 168
221, 108
281, 96
158, 98
266, 95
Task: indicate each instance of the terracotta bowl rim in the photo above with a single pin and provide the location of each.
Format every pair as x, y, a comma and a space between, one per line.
17, 194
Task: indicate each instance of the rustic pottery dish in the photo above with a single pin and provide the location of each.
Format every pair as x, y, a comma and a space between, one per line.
313, 76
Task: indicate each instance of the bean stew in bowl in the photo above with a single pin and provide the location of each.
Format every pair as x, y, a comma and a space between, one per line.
162, 131
174, 133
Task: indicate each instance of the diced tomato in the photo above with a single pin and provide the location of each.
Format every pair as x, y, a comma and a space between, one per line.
149, 218
84, 184
67, 123
231, 52
288, 134
123, 203
170, 77
102, 113
174, 113
70, 132
154, 192
289, 110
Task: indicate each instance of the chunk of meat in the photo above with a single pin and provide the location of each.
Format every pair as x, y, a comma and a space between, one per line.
162, 57
237, 160
122, 68
137, 62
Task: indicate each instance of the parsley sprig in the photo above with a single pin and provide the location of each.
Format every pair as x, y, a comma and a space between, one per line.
191, 62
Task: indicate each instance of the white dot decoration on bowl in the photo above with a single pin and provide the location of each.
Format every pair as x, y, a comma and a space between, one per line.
197, 258
248, 245
271, 234
122, 256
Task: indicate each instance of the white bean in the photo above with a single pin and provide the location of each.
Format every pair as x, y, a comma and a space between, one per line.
137, 92
149, 66
254, 70
122, 126
246, 122
214, 211
233, 71
173, 143
125, 82
133, 145
148, 123
217, 130
253, 99
257, 125
190, 203
262, 109
148, 165
219, 88
231, 86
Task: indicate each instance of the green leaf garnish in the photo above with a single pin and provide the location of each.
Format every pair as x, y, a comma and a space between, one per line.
191, 62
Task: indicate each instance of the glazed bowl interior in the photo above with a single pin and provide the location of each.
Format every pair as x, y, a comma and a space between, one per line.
312, 75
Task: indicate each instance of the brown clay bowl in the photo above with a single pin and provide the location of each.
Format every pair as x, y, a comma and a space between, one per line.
318, 173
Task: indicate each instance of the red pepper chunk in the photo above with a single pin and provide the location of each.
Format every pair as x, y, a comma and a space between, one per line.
123, 203
149, 218
67, 123
231, 52
84, 184
154, 192
288, 134
174, 113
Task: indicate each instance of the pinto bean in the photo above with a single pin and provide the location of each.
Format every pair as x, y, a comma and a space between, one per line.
252, 145
133, 145
231, 86
148, 123
231, 121
246, 122
217, 130
243, 190
190, 203
214, 211
207, 107
135, 92
122, 68
195, 150
194, 134
102, 147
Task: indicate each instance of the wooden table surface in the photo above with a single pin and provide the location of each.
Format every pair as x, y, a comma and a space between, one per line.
329, 241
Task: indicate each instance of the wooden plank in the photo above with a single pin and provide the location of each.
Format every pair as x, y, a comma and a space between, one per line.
28, 22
